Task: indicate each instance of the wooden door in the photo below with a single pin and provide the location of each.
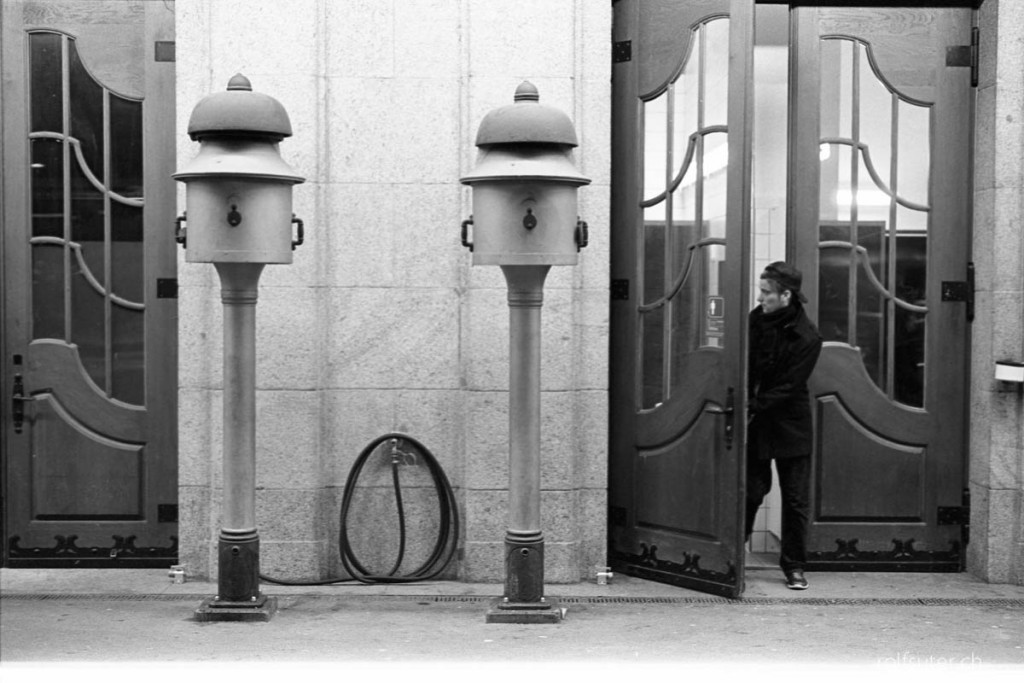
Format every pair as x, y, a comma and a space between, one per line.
680, 290
880, 185
89, 356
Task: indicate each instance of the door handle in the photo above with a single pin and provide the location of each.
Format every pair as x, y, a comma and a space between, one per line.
18, 401
730, 415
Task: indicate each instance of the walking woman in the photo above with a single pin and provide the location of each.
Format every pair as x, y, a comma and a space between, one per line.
784, 347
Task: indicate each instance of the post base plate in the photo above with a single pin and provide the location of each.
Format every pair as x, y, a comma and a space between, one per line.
504, 612
213, 609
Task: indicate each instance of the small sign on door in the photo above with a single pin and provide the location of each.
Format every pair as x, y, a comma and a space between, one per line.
715, 320
716, 307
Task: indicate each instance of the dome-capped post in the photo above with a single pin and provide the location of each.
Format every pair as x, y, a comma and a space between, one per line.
525, 221
238, 216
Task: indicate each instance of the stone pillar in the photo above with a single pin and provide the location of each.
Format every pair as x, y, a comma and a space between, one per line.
996, 549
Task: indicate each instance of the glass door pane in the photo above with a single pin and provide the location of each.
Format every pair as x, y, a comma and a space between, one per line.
685, 164
873, 241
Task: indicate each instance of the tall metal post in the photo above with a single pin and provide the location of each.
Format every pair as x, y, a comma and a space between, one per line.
524, 539
238, 587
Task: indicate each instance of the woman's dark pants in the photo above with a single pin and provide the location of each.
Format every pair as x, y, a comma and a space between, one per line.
795, 481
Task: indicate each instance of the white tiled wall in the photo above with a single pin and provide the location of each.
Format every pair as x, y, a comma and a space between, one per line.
769, 225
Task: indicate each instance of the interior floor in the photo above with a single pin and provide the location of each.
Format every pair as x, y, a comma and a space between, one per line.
762, 560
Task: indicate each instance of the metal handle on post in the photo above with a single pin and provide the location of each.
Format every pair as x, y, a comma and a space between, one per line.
300, 232
582, 234
730, 415
465, 233
180, 233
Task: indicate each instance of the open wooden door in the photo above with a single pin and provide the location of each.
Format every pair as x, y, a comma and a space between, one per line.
90, 316
680, 290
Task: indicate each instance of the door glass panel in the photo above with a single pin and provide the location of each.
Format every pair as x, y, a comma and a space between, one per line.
88, 309
685, 110
653, 345
128, 380
126, 146
914, 153
874, 120
88, 323
870, 331
686, 154
834, 282
48, 291
836, 70
684, 196
652, 322
86, 111
47, 110
908, 368
87, 263
47, 180
686, 326
655, 139
88, 218
126, 269
715, 71
874, 219
126, 252
835, 164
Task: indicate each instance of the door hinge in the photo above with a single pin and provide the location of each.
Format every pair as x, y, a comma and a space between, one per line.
163, 51
961, 290
620, 290
617, 515
959, 515
965, 55
167, 288
622, 51
954, 514
167, 513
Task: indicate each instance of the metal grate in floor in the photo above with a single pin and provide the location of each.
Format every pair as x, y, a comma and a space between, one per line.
592, 600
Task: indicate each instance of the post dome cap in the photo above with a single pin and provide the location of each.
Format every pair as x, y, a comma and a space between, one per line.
239, 112
526, 121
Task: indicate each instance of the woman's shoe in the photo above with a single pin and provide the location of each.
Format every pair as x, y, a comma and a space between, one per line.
795, 580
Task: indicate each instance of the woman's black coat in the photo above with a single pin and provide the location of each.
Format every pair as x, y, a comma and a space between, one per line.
779, 402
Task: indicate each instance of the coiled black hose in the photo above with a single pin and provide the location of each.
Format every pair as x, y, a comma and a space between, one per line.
448, 527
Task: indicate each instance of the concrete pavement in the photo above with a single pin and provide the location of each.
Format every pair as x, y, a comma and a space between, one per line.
898, 623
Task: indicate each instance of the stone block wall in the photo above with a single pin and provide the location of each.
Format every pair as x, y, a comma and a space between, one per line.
996, 550
381, 325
